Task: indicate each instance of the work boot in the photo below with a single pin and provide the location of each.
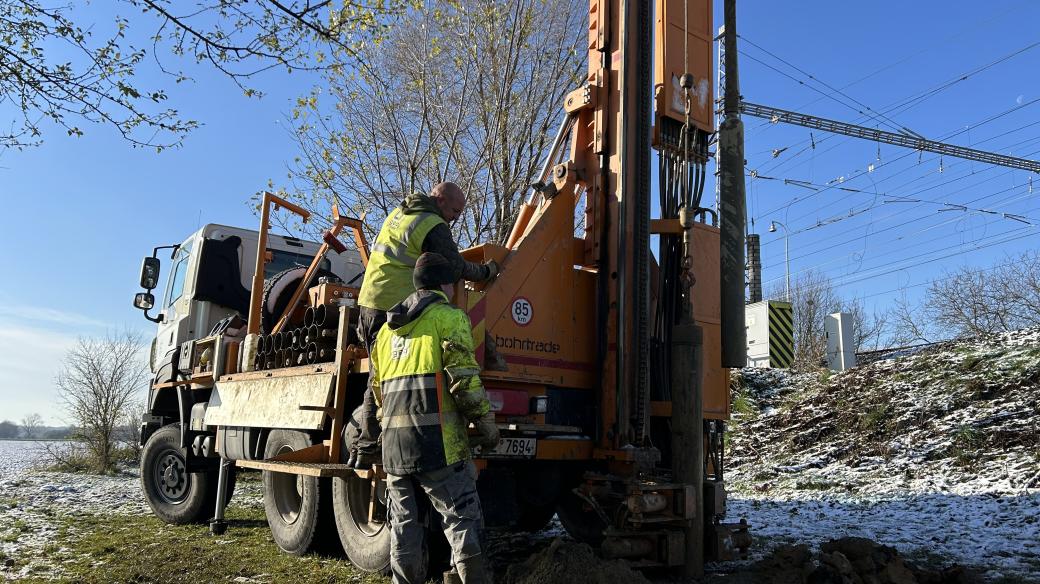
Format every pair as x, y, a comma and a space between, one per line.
452, 577
473, 571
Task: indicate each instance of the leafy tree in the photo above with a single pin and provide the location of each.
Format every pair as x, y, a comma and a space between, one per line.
97, 384
54, 67
469, 91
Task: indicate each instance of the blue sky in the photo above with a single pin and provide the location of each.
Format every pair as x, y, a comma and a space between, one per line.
888, 227
79, 213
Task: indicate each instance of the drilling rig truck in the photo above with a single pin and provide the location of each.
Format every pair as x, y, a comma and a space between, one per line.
602, 356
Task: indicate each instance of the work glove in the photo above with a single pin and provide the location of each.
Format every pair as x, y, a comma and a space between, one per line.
487, 430
493, 270
365, 460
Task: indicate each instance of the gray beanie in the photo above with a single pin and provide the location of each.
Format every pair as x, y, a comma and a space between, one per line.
432, 270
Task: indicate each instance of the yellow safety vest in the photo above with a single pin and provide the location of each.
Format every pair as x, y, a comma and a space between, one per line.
414, 370
388, 277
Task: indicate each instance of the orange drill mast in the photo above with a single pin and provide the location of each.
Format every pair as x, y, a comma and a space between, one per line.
590, 318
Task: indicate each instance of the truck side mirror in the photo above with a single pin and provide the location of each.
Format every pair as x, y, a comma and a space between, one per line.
144, 300
149, 275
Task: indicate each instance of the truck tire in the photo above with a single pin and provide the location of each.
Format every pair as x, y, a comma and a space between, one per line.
175, 495
278, 291
366, 543
297, 506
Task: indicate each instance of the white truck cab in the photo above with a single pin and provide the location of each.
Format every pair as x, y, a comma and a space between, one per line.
209, 277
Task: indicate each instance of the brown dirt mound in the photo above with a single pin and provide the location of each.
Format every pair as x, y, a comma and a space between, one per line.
849, 560
571, 563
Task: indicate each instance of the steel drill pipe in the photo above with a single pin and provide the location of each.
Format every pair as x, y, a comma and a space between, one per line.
320, 314
326, 316
313, 334
312, 352
308, 316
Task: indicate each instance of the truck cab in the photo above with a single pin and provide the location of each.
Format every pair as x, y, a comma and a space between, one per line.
209, 278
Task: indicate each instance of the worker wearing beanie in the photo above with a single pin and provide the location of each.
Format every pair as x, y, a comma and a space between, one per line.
425, 380
419, 224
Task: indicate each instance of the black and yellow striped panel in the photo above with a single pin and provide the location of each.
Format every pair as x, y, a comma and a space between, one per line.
781, 335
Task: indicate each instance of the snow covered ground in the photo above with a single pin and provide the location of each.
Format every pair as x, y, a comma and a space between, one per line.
935, 453
997, 535
32, 500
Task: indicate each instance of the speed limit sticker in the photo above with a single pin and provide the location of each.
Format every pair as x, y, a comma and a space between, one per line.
522, 311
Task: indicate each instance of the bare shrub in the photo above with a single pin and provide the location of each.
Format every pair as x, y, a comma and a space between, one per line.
97, 383
67, 457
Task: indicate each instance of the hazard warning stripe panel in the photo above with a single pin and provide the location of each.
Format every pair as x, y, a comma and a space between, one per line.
476, 308
781, 335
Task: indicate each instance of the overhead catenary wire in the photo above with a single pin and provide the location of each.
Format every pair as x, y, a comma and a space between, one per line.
974, 27
857, 105
840, 282
873, 168
920, 204
875, 256
896, 198
916, 99
830, 247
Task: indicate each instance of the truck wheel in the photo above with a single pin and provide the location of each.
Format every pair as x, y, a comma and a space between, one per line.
175, 495
278, 291
367, 543
297, 506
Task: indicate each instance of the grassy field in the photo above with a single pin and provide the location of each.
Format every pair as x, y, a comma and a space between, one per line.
143, 549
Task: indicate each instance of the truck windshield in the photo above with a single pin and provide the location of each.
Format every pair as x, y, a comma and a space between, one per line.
283, 260
180, 268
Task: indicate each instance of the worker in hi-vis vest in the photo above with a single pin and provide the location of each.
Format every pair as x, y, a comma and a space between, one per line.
426, 382
418, 225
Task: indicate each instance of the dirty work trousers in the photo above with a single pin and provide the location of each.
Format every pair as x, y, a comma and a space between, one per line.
453, 493
370, 320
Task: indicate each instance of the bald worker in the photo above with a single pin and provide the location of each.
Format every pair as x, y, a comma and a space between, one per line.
419, 225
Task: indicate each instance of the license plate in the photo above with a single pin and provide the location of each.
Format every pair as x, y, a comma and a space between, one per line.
521, 447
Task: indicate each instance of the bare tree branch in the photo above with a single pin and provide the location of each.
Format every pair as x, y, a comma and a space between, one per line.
465, 91
56, 70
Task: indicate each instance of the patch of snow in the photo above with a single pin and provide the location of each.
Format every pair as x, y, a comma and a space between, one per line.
936, 451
